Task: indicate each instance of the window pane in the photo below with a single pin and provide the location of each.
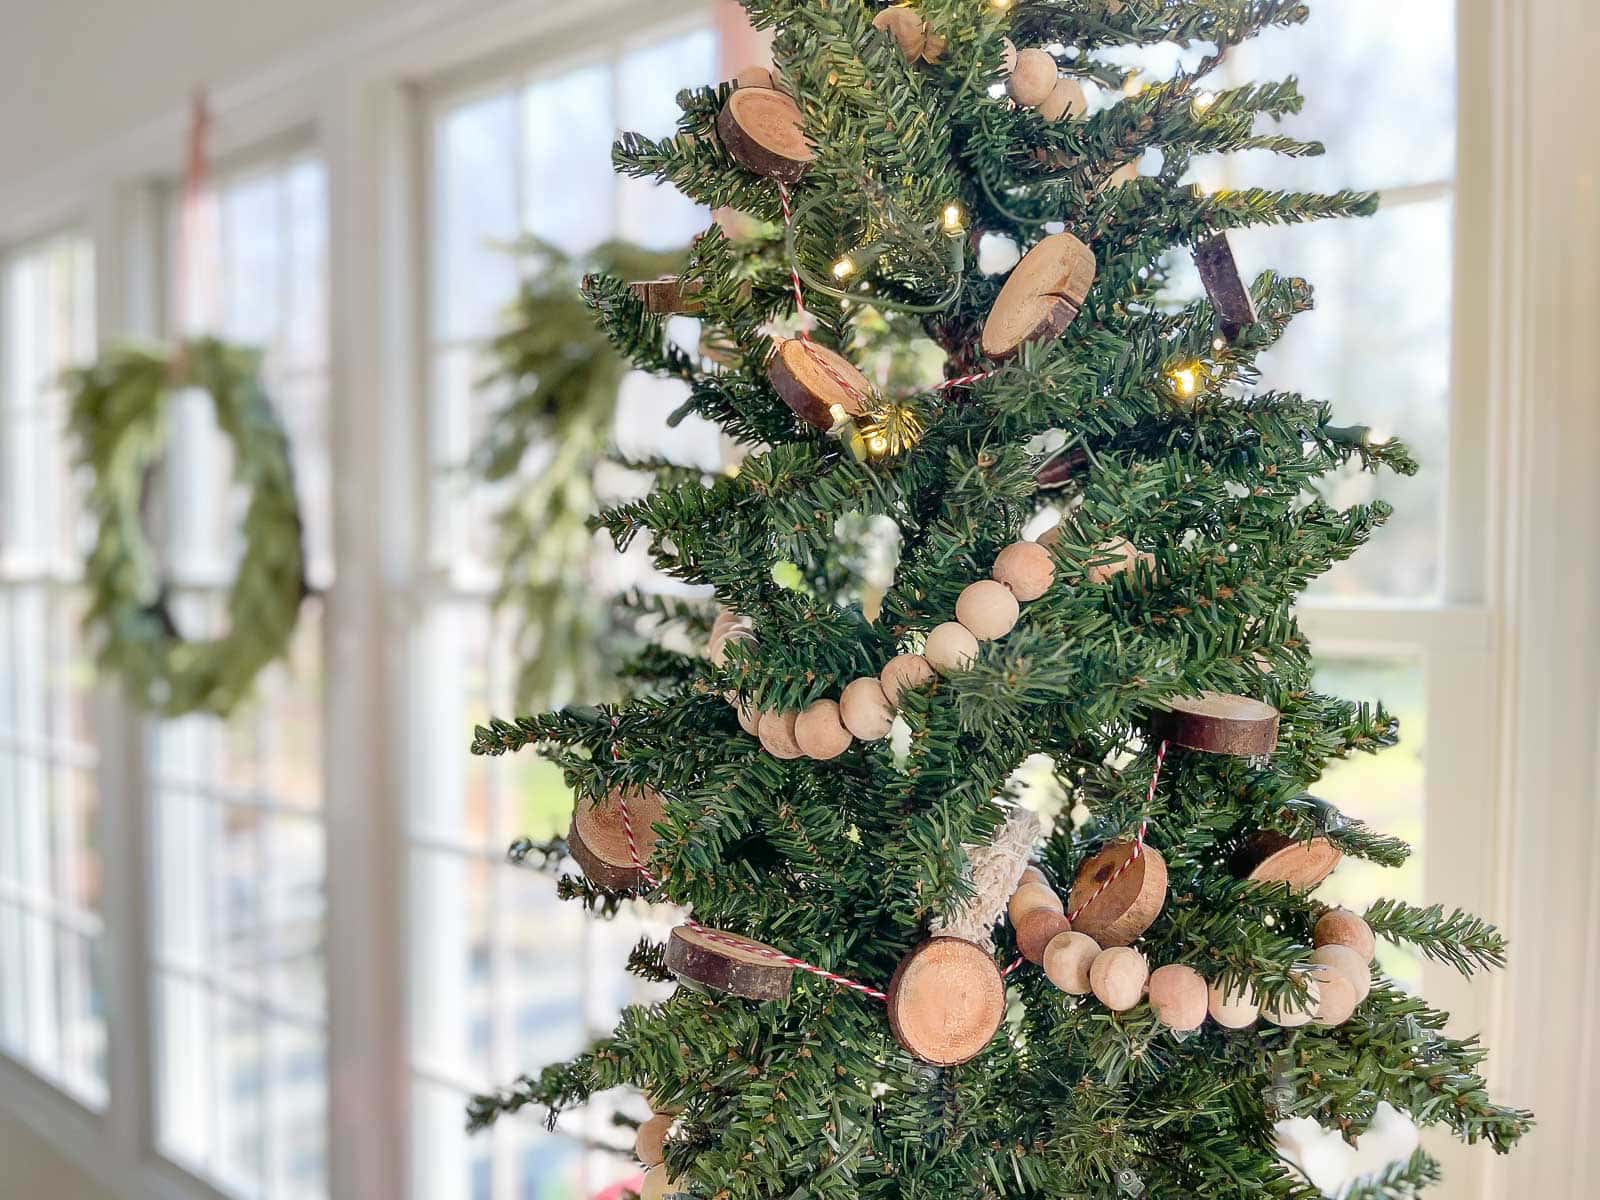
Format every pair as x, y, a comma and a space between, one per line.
52, 1013
239, 911
475, 205
1387, 790
567, 173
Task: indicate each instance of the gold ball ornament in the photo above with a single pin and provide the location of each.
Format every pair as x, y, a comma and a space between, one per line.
776, 731
904, 671
865, 709
950, 648
988, 609
648, 1142
1026, 568
1032, 78
1341, 927
819, 732
1067, 960
1346, 962
1031, 896
1117, 977
1234, 1009
1178, 996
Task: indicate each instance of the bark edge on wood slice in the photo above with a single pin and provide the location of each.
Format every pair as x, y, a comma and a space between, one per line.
1236, 310
728, 963
946, 1001
598, 839
1218, 723
812, 378
1271, 857
1118, 915
764, 131
667, 294
1041, 296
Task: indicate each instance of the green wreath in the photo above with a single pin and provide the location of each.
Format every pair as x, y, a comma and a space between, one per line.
118, 418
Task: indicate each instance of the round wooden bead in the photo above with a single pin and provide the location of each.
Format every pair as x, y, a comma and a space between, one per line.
950, 648
1178, 996
946, 1001
1344, 961
819, 733
901, 672
865, 709
1126, 173
1293, 1010
1066, 99
1067, 960
1336, 999
598, 837
657, 1184
1117, 977
909, 30
648, 1142
1236, 1009
1026, 568
1035, 929
1033, 78
749, 716
988, 609
1128, 906
1341, 927
1032, 874
1110, 559
776, 731
1031, 896
725, 637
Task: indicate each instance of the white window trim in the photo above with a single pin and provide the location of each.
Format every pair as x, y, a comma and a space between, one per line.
1511, 647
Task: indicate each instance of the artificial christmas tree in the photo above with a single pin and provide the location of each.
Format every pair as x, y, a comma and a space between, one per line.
880, 995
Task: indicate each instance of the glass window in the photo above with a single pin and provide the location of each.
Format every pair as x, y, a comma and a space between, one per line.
505, 978
52, 987
238, 969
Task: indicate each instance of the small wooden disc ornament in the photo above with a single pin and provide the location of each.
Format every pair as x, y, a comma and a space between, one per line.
763, 130
1275, 858
1235, 309
598, 838
1220, 724
1130, 905
946, 1001
812, 379
667, 294
1041, 297
729, 963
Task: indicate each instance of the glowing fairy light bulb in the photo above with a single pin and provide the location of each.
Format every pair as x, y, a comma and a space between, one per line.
844, 268
1000, 5
1185, 380
955, 220
1219, 343
878, 445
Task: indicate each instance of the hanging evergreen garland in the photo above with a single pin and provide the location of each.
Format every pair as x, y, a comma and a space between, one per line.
118, 419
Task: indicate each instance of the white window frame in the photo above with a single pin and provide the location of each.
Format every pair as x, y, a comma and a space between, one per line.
1509, 647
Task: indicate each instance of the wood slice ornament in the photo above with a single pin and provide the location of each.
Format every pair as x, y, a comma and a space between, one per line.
1131, 901
1235, 309
1271, 857
910, 31
667, 294
1217, 723
739, 966
946, 1001
1041, 297
812, 379
764, 132
598, 837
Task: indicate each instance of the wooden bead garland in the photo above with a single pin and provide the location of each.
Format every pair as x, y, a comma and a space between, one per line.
657, 1184
649, 1141
1178, 997
1112, 558
1117, 977
986, 610
1036, 928
1033, 81
1067, 960
1341, 927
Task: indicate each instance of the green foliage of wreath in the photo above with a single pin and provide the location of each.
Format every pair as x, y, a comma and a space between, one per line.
118, 419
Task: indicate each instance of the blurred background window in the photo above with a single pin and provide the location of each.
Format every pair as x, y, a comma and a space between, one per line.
52, 996
504, 977
238, 987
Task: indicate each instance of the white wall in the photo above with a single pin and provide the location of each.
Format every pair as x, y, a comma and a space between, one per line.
30, 1166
